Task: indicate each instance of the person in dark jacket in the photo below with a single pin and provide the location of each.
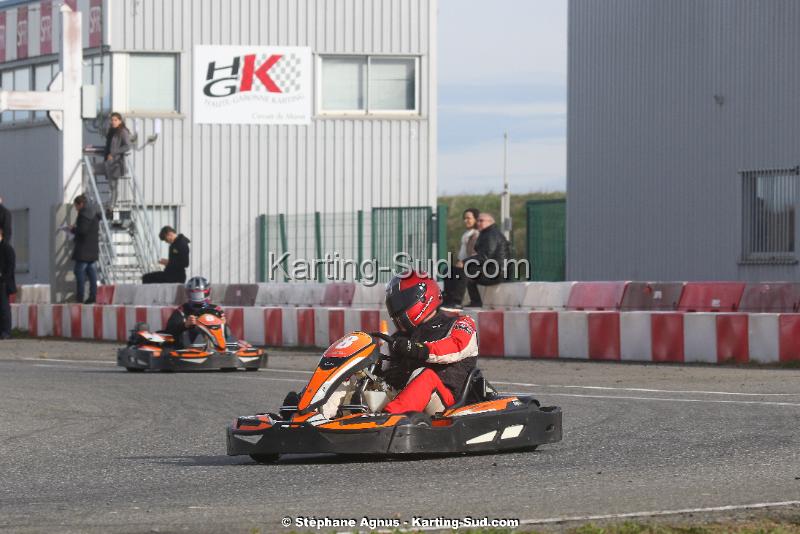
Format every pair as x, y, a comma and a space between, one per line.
487, 266
5, 221
8, 286
87, 247
118, 144
175, 266
183, 320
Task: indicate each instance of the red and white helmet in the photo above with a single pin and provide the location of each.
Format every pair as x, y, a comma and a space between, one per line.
198, 290
411, 298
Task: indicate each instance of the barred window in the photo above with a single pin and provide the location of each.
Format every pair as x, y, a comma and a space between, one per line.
768, 215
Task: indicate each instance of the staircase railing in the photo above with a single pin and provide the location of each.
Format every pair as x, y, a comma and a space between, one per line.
139, 226
142, 223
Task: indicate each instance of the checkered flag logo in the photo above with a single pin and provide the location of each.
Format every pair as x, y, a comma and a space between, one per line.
285, 73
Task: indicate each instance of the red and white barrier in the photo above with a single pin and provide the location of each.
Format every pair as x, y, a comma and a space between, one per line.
651, 336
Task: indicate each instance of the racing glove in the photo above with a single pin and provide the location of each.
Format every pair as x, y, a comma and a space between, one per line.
409, 349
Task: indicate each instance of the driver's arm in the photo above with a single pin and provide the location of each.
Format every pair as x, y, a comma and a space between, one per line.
176, 324
459, 343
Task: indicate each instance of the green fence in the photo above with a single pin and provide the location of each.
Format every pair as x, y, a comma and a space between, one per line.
546, 239
349, 240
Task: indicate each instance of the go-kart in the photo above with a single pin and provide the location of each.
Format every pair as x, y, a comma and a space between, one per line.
339, 411
209, 345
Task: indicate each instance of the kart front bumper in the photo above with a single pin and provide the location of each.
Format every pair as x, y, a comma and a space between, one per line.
519, 428
133, 358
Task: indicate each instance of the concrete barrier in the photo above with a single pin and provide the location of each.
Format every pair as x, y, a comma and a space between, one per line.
33, 294
651, 336
369, 296
546, 295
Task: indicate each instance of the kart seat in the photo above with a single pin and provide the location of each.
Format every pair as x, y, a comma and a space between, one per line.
476, 389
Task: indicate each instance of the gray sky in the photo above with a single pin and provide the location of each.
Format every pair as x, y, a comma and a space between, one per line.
502, 66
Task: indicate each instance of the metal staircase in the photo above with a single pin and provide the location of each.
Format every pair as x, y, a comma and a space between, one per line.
128, 242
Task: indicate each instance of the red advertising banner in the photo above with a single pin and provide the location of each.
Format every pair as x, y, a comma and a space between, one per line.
2, 36
46, 27
22, 32
96, 23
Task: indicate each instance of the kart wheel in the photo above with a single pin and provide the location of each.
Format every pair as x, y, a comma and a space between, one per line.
265, 458
134, 370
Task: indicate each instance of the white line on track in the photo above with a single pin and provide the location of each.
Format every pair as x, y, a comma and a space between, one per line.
664, 399
270, 378
48, 360
646, 390
629, 515
660, 513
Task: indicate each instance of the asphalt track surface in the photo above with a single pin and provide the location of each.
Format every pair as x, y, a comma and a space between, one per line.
88, 447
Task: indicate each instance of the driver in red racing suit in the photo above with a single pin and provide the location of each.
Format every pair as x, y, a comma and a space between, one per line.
434, 352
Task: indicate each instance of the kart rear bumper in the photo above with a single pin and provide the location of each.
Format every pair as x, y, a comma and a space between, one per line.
133, 358
518, 428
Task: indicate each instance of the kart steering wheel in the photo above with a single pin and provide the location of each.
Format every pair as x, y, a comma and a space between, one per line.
380, 335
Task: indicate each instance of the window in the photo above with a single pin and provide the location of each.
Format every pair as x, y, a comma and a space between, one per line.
369, 85
7, 84
392, 84
16, 80
343, 84
768, 215
42, 76
19, 238
152, 83
97, 72
22, 82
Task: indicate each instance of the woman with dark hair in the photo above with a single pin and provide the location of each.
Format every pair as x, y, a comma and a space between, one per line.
118, 143
455, 285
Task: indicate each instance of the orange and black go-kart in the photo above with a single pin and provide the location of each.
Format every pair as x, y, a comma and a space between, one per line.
209, 346
339, 411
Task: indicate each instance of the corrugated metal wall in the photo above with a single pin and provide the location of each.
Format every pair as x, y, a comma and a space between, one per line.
224, 176
668, 100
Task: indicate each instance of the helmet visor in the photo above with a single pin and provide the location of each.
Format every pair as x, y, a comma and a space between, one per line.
398, 302
198, 295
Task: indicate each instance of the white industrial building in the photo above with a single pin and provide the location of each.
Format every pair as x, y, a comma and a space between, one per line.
343, 121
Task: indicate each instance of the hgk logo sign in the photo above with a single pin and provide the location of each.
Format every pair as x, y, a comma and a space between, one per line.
252, 84
275, 73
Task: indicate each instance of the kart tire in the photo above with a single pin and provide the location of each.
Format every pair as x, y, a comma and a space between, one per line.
251, 368
134, 369
265, 458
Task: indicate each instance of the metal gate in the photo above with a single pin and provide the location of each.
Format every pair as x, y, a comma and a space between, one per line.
546, 239
401, 230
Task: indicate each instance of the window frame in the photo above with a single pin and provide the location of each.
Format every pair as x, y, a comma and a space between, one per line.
367, 112
750, 220
120, 99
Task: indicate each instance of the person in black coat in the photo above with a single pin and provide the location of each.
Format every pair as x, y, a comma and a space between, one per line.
8, 285
87, 247
118, 144
5, 221
491, 247
176, 264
